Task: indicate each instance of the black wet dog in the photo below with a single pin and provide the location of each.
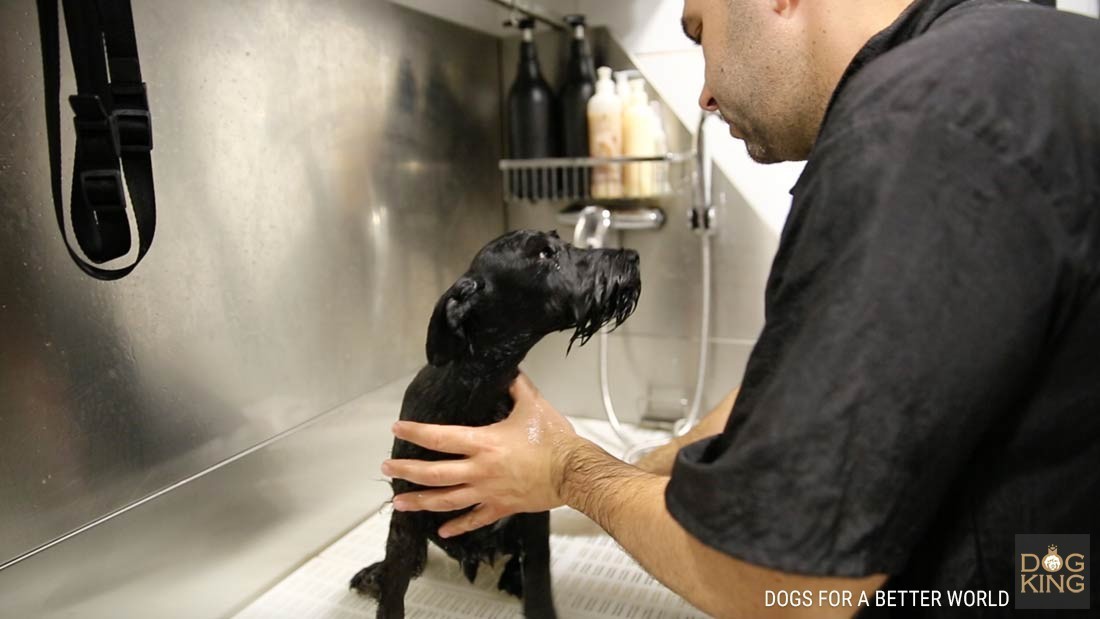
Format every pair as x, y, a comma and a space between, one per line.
519, 288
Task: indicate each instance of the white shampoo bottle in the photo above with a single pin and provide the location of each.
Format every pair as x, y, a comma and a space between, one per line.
638, 141
605, 135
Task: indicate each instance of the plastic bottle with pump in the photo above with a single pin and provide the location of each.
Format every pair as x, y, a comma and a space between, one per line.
638, 141
622, 85
532, 131
605, 136
660, 147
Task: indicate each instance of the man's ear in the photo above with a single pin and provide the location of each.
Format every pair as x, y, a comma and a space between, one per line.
447, 330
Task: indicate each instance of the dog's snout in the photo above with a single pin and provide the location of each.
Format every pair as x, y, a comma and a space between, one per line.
632, 256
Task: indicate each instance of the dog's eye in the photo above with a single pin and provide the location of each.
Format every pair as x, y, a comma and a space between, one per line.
546, 253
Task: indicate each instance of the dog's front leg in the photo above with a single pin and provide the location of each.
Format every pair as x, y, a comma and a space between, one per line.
538, 601
388, 580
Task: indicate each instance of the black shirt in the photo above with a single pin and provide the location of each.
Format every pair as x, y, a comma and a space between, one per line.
927, 382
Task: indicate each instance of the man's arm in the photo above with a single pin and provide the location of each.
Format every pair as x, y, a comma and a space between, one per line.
659, 461
629, 504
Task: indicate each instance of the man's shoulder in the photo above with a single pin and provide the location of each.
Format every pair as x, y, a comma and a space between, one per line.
983, 59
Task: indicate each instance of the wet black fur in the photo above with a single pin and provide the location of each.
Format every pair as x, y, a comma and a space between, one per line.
519, 287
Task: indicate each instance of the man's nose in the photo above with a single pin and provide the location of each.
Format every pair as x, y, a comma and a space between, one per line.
706, 100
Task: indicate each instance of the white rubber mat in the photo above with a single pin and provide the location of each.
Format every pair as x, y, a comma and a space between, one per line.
592, 576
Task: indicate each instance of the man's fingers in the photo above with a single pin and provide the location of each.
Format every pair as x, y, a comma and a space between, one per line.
430, 473
478, 517
447, 439
444, 500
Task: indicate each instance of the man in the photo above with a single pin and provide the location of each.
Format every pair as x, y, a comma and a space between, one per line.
927, 383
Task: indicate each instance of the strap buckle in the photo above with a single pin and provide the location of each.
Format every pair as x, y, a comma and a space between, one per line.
132, 117
135, 130
103, 190
103, 229
93, 126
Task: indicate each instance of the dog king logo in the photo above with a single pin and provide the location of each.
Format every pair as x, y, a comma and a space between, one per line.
1057, 577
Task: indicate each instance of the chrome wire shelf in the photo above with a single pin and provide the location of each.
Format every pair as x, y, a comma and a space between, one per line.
607, 179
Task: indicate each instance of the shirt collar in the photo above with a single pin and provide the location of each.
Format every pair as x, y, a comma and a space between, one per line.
917, 18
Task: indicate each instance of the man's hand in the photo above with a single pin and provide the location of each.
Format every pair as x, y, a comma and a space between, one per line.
511, 466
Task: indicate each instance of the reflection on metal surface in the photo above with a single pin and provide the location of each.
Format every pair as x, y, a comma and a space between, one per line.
534, 10
323, 169
215, 543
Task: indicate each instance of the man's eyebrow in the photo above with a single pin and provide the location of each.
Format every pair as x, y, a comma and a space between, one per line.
687, 30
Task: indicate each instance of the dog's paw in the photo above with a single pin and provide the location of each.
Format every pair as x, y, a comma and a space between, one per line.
511, 580
369, 580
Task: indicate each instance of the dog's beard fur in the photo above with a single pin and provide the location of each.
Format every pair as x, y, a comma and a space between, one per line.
611, 301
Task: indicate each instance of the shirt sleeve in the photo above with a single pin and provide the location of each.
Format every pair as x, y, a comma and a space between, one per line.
905, 314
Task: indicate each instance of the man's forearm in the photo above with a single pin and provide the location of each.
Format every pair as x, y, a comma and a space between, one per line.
629, 504
660, 460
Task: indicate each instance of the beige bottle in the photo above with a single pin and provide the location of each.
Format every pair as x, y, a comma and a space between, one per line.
638, 141
660, 148
605, 136
622, 86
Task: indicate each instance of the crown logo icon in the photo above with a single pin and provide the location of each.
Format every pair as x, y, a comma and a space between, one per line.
1052, 562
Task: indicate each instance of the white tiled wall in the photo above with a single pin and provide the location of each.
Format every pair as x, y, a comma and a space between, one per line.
1084, 7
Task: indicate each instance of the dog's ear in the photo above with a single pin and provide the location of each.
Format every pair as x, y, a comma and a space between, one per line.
447, 336
554, 233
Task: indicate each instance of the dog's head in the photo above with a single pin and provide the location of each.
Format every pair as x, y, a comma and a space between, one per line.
526, 284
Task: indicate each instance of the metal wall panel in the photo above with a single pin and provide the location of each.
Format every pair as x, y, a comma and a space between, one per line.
216, 542
324, 169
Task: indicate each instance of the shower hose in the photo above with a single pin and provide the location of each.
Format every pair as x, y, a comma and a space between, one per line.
635, 450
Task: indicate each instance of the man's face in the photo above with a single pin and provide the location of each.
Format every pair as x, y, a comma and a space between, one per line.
758, 74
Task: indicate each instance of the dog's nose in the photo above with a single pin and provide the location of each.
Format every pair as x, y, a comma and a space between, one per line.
633, 256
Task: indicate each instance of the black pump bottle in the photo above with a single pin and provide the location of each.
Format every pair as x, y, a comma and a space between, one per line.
576, 90
531, 128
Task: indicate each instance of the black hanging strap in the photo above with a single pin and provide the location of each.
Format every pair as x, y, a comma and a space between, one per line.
113, 131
